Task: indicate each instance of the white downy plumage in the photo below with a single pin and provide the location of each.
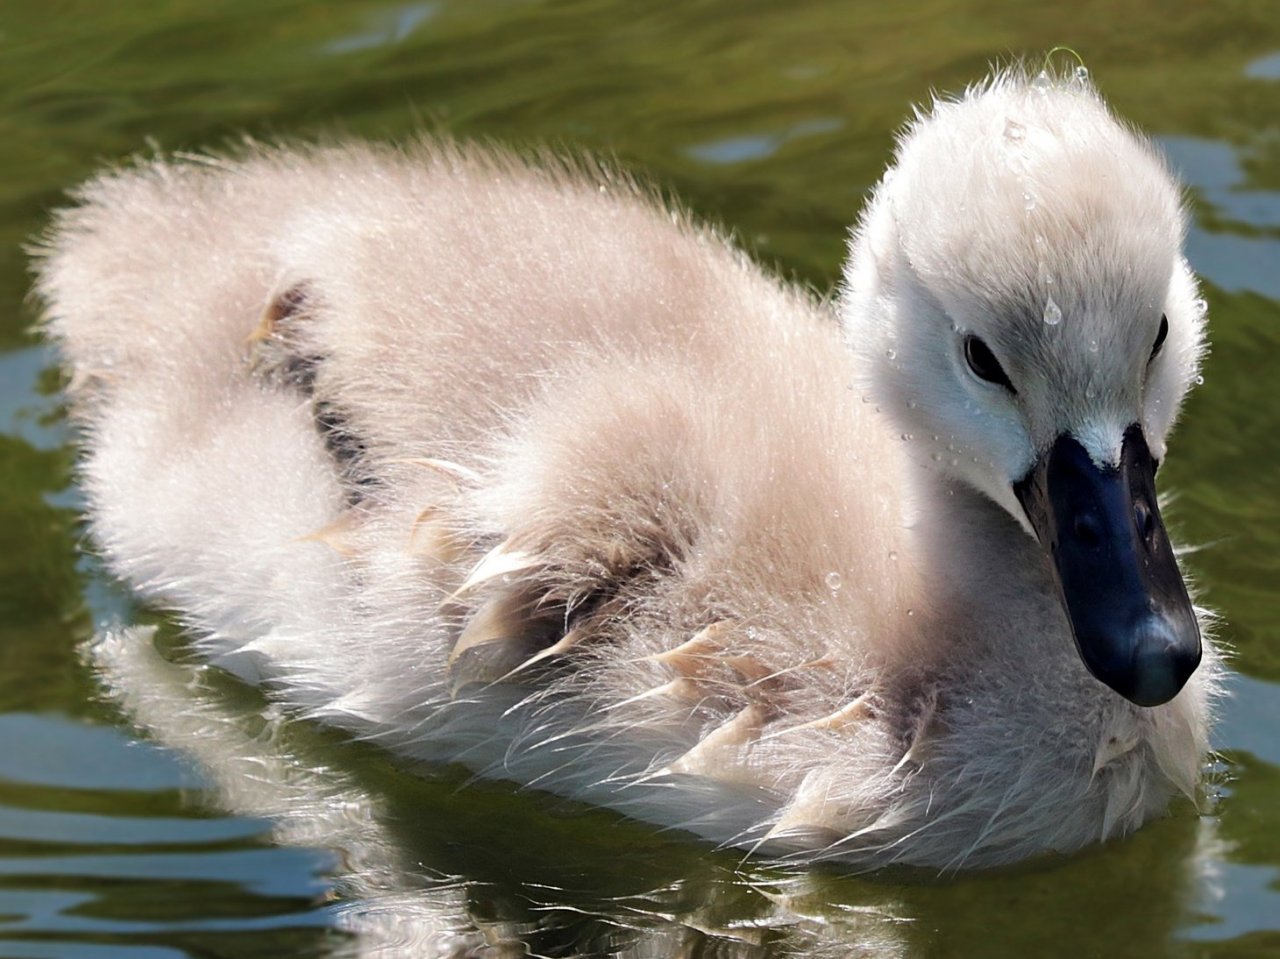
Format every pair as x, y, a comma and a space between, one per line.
509, 464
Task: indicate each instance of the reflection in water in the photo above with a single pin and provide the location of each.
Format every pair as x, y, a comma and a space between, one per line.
1237, 253
409, 881
741, 149
387, 28
1264, 68
434, 866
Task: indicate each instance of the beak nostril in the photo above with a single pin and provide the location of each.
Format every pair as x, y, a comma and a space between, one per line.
1144, 520
1086, 529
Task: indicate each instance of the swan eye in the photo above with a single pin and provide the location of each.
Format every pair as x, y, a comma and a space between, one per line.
984, 364
1164, 331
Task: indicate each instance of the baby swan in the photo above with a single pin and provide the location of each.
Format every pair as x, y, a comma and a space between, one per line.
510, 465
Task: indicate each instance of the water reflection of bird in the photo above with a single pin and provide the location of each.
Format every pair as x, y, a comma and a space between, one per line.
423, 869
507, 463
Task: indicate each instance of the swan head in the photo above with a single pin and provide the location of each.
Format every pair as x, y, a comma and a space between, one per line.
1017, 293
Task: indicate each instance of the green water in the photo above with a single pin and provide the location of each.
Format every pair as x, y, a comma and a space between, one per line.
773, 118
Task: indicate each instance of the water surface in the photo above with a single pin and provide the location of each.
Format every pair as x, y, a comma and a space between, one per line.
159, 810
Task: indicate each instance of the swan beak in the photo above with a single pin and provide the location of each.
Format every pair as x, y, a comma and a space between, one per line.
1130, 614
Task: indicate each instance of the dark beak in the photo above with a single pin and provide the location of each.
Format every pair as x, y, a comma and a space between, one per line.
1128, 606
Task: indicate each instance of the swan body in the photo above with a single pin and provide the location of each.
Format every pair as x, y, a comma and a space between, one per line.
510, 464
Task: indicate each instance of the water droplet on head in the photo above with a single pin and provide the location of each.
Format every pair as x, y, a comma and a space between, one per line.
1014, 131
1201, 307
1028, 201
893, 556
1082, 74
1199, 381
1041, 83
908, 436
891, 354
936, 457
1052, 312
1093, 346
834, 581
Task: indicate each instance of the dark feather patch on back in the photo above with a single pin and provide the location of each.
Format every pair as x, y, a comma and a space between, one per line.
280, 354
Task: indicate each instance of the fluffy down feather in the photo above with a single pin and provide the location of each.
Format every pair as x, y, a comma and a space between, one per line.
511, 464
